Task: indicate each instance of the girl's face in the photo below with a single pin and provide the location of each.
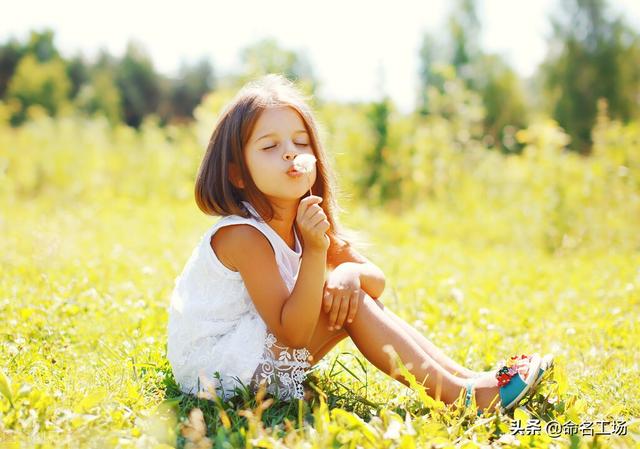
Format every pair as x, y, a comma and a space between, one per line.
278, 137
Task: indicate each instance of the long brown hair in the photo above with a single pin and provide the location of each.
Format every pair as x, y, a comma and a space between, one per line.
215, 194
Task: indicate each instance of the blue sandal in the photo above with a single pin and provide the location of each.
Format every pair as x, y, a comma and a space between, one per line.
546, 363
513, 386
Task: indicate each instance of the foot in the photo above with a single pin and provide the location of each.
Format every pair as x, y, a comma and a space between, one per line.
509, 385
486, 390
545, 364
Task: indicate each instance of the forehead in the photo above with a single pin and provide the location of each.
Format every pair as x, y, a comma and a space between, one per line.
277, 119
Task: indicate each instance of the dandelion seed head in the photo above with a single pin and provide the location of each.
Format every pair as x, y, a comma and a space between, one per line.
304, 163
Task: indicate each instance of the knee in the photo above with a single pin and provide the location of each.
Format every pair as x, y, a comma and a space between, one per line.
368, 301
366, 307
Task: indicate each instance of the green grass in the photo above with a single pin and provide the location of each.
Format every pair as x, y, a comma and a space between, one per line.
85, 285
487, 255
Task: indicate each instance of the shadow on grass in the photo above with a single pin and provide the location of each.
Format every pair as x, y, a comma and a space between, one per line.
229, 420
226, 423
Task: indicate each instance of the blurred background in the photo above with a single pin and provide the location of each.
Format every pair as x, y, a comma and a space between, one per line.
526, 109
488, 150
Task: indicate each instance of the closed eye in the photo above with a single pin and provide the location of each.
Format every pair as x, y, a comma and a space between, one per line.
273, 146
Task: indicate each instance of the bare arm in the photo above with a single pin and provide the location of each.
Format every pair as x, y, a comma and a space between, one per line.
292, 317
372, 279
289, 317
301, 311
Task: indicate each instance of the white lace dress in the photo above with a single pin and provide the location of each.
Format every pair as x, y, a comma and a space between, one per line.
215, 327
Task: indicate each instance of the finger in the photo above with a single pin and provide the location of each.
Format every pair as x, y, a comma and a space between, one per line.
344, 308
327, 301
318, 219
335, 309
323, 225
313, 214
313, 222
353, 307
312, 217
305, 203
312, 199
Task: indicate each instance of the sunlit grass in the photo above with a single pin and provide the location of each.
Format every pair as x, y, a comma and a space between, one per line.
88, 260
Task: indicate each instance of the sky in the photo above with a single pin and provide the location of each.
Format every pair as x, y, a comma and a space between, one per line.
359, 50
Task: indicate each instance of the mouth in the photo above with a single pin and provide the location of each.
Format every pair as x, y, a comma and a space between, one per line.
294, 173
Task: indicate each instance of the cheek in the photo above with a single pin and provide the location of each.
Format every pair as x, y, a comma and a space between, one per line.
260, 167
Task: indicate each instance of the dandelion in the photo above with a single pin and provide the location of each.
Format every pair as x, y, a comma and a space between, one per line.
304, 164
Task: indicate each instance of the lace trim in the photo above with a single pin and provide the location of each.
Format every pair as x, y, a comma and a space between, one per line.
283, 375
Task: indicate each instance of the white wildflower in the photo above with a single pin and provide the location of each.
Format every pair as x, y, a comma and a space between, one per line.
304, 163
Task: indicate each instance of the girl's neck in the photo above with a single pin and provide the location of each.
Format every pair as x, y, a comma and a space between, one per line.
284, 219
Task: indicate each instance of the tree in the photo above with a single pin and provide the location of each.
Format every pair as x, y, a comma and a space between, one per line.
138, 84
488, 75
10, 55
187, 91
592, 55
100, 95
266, 56
429, 59
43, 83
78, 73
503, 99
464, 29
41, 45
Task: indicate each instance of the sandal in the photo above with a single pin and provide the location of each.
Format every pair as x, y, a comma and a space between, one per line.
515, 379
546, 363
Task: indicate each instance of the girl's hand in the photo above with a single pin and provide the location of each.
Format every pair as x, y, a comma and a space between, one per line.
341, 295
313, 223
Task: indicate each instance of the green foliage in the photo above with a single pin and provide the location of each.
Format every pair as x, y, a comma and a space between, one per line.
39, 83
267, 56
10, 54
504, 101
100, 96
592, 56
464, 29
118, 88
379, 170
41, 45
139, 85
188, 89
459, 56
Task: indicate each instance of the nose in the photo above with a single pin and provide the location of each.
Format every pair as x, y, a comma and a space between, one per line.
290, 154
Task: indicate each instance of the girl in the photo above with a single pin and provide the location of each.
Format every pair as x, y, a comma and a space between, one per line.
276, 283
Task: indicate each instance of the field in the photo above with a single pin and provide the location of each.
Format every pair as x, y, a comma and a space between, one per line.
487, 255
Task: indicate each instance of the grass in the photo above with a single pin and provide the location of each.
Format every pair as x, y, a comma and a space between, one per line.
84, 290
501, 256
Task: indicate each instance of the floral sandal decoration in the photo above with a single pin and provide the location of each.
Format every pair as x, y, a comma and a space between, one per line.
516, 378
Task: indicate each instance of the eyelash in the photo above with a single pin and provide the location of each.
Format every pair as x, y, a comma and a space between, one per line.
273, 146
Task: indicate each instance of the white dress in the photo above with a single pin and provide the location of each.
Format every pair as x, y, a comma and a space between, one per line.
215, 327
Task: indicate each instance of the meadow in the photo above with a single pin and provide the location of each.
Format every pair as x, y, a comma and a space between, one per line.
487, 254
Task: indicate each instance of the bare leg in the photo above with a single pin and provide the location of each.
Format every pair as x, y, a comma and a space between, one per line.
436, 353
372, 330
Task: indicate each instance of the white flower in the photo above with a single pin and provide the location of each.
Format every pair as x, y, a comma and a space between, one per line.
393, 431
304, 163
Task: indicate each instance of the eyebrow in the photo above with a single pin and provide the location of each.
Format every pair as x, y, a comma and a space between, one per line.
273, 134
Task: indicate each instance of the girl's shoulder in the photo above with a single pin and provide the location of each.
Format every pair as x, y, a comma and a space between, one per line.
229, 240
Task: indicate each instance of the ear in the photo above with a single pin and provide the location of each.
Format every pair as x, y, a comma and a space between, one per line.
234, 176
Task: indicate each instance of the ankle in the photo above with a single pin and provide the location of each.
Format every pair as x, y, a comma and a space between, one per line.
487, 396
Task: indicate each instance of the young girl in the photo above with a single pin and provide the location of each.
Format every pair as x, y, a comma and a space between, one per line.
276, 283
